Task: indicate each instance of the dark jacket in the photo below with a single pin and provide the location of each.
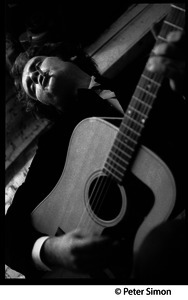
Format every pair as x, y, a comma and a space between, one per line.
45, 170
164, 134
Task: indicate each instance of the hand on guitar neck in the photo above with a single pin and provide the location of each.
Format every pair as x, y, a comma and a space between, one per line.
79, 252
169, 60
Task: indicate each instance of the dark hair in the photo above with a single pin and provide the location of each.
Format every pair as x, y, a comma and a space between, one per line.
64, 51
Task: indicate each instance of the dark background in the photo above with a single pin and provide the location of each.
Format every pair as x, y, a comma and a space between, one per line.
80, 21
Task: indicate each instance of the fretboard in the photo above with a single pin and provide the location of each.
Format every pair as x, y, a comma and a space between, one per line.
140, 105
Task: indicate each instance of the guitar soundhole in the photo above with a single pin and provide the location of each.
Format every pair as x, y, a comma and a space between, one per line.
105, 198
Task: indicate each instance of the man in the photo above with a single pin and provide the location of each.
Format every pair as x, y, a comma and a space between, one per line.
62, 89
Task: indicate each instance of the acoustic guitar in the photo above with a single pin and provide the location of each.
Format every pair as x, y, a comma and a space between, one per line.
110, 183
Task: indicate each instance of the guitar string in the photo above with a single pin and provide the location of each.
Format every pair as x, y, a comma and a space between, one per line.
145, 111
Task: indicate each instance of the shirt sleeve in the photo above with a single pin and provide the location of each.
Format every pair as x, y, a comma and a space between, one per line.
36, 254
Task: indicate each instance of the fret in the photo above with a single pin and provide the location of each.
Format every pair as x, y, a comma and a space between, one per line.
116, 164
167, 28
128, 136
133, 120
127, 146
109, 173
133, 124
173, 25
151, 80
128, 128
177, 7
126, 155
122, 145
126, 139
121, 152
177, 17
139, 105
174, 21
121, 148
137, 111
119, 159
141, 102
139, 119
161, 38
147, 92
154, 76
113, 171
148, 85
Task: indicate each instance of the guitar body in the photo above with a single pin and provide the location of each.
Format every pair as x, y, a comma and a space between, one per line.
144, 199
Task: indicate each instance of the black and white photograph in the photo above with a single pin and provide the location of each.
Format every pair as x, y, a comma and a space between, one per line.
96, 145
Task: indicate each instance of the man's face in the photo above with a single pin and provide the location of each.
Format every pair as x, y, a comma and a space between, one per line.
50, 80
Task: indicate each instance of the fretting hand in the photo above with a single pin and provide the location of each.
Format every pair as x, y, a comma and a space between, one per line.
169, 60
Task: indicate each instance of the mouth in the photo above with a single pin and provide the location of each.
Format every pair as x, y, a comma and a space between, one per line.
51, 83
45, 80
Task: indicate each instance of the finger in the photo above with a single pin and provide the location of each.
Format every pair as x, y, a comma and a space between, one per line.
78, 233
92, 245
175, 46
168, 67
177, 85
168, 49
176, 37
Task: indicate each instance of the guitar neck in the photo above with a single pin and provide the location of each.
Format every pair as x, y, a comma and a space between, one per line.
140, 105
